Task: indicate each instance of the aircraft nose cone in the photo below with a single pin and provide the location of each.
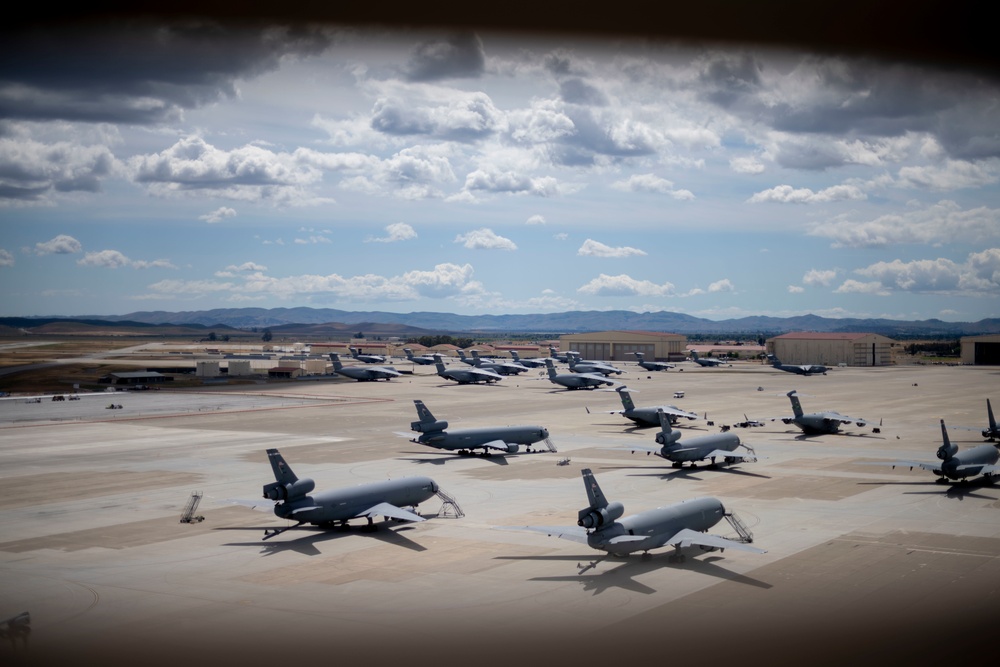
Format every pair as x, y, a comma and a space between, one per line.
545, 433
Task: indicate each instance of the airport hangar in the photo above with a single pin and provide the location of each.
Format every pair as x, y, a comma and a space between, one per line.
832, 349
981, 350
621, 345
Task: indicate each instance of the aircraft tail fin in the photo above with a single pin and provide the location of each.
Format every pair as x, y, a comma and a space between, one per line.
946, 450
796, 406
335, 358
694, 354
626, 398
427, 423
989, 413
282, 471
550, 368
600, 513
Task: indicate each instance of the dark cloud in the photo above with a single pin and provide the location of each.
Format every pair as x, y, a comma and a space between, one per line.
453, 57
578, 91
730, 78
135, 73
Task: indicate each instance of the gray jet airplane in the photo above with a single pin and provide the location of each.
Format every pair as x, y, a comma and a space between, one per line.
465, 375
367, 358
711, 447
817, 423
498, 366
646, 416
991, 432
363, 374
801, 369
505, 439
651, 365
421, 361
577, 380
530, 363
561, 358
954, 464
679, 525
578, 365
295, 501
710, 363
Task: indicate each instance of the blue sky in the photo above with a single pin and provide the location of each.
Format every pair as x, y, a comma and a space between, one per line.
188, 166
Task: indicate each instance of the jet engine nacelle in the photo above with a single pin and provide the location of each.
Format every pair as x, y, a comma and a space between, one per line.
663, 439
947, 451
297, 489
595, 517
512, 448
428, 427
787, 420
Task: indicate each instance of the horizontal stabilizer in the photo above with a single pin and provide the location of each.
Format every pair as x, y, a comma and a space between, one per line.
304, 509
391, 511
625, 539
259, 505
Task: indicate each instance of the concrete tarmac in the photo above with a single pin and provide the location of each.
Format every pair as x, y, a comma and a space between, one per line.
863, 562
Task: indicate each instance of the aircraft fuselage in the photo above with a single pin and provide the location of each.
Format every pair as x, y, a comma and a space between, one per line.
957, 466
343, 504
696, 449
658, 525
471, 438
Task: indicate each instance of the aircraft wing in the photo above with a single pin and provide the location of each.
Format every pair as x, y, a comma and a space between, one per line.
391, 511
686, 537
602, 378
933, 467
483, 372
637, 448
739, 456
676, 412
498, 445
571, 533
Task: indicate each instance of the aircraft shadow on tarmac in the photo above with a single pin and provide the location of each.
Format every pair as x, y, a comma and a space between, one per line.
442, 458
955, 491
623, 576
805, 437
307, 544
669, 472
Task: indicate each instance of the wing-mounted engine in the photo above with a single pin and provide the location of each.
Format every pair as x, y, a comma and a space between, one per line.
512, 448
667, 438
289, 491
598, 517
429, 427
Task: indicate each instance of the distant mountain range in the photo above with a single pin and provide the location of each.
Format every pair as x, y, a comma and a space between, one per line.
404, 324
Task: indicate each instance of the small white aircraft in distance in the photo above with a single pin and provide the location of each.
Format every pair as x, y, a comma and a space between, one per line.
683, 524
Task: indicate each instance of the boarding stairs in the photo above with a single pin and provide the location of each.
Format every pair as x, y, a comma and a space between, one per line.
745, 536
187, 516
449, 506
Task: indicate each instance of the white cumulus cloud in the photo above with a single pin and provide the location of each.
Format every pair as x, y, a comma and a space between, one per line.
485, 239
397, 231
624, 285
592, 248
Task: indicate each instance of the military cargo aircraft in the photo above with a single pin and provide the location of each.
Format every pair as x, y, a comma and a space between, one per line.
530, 363
578, 380
363, 373
420, 361
646, 416
709, 363
651, 365
498, 366
991, 432
561, 358
954, 464
465, 375
504, 439
817, 423
711, 447
578, 365
294, 499
801, 369
680, 525
367, 358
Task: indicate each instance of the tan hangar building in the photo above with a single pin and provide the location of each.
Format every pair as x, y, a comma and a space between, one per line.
832, 349
620, 345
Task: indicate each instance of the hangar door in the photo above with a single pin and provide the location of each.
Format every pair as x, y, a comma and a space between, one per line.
987, 354
595, 351
626, 351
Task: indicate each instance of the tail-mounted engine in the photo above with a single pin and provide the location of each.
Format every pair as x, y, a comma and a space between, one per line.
596, 517
428, 427
946, 451
297, 489
667, 439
